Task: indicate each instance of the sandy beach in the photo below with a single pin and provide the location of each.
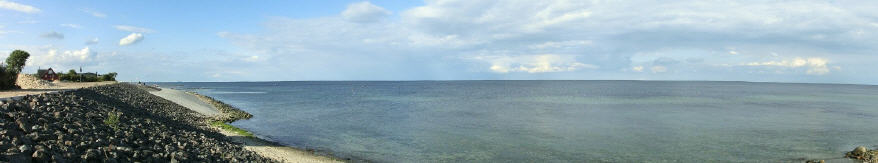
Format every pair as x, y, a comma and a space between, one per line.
262, 147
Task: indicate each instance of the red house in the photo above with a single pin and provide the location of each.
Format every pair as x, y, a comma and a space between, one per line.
48, 74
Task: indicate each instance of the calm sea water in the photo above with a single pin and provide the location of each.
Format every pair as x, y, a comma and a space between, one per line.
558, 121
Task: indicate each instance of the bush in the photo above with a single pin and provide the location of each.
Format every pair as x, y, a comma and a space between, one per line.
7, 79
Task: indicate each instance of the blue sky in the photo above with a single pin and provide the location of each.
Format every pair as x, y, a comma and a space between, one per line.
776, 41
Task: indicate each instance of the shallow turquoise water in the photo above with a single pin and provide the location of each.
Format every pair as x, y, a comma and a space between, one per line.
558, 121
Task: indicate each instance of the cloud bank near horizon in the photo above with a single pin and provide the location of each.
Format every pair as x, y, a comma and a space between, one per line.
786, 41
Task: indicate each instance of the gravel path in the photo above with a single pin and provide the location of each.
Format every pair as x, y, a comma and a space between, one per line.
187, 100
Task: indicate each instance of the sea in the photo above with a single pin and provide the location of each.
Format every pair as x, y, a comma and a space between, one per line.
557, 121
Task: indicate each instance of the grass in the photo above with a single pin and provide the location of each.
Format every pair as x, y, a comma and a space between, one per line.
231, 128
112, 119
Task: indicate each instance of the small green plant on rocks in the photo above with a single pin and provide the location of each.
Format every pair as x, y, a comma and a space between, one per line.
230, 128
112, 119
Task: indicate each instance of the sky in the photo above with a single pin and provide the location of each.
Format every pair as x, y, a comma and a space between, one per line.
806, 41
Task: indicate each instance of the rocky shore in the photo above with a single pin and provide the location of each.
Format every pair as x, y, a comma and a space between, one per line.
111, 123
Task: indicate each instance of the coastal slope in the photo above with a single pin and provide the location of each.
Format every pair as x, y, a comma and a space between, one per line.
110, 123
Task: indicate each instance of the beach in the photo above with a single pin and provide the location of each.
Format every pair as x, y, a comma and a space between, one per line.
118, 122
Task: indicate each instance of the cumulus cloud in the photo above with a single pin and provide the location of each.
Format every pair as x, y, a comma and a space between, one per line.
52, 57
534, 63
129, 28
364, 12
94, 13
18, 7
77, 26
814, 65
131, 39
82, 54
53, 35
92, 41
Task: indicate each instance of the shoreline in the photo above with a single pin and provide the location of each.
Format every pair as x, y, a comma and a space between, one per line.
266, 148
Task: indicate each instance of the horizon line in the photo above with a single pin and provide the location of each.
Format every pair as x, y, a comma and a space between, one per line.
742, 81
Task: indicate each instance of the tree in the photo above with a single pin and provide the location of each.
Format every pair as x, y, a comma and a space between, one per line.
14, 65
16, 60
109, 77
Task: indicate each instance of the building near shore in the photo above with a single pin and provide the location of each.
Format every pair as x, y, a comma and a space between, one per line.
48, 74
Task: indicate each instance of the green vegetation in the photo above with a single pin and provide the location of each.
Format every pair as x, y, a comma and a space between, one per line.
72, 76
16, 60
9, 72
231, 128
112, 119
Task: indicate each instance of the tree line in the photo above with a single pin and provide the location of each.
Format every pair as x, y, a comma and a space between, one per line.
75, 77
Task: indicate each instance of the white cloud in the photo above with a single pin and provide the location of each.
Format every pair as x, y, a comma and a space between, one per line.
77, 26
658, 69
50, 56
814, 65
364, 12
18, 7
94, 13
82, 54
732, 52
129, 28
53, 35
131, 39
534, 63
92, 41
637, 68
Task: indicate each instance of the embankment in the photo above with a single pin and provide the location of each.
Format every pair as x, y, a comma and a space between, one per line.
110, 123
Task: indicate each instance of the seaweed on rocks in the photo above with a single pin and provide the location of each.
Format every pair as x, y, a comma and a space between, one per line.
69, 127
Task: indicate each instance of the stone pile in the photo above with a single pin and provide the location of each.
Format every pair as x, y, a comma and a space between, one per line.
30, 81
